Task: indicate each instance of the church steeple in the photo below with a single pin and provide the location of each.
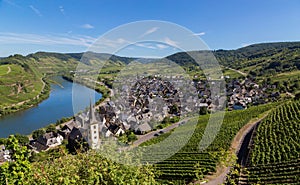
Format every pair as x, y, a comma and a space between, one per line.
92, 118
93, 129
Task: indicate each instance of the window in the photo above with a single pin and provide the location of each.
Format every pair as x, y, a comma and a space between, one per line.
94, 126
95, 132
95, 137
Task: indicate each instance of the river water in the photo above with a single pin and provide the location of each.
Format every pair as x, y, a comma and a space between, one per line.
58, 105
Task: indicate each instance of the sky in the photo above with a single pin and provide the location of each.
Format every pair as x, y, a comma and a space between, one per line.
73, 26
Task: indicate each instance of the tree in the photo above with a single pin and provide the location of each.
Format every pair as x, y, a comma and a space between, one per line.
2, 141
203, 110
174, 109
166, 120
51, 128
297, 96
19, 170
131, 137
91, 168
38, 133
23, 140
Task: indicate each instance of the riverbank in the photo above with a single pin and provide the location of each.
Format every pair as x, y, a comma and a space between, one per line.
101, 88
60, 104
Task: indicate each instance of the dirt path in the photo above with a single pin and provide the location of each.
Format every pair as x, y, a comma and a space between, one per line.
290, 94
222, 171
9, 70
238, 71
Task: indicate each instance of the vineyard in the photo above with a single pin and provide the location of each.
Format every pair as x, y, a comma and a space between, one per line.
275, 152
189, 163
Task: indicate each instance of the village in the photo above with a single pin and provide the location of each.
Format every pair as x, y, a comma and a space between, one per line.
140, 107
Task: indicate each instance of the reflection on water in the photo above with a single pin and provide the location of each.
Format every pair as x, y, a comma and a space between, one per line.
58, 105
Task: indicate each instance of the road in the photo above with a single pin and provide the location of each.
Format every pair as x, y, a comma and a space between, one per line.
143, 138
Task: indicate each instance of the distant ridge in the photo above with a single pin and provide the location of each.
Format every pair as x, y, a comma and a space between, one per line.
267, 57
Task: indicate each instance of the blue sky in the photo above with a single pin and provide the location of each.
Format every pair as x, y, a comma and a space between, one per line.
72, 26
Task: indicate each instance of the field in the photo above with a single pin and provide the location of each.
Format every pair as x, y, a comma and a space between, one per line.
275, 155
189, 163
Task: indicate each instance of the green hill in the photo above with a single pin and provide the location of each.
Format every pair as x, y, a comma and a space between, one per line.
258, 59
263, 59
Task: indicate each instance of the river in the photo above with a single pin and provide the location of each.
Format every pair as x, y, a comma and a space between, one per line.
58, 105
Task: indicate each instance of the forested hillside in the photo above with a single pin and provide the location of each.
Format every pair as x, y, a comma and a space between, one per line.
263, 59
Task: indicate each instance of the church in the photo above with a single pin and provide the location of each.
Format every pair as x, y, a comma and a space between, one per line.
92, 126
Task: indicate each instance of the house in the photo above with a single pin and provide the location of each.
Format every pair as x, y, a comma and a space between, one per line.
4, 154
75, 138
37, 147
66, 129
50, 139
46, 141
116, 129
143, 128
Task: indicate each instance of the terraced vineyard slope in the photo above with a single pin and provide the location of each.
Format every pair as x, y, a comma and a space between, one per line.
189, 164
275, 154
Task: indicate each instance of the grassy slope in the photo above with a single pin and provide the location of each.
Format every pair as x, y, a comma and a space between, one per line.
18, 85
24, 83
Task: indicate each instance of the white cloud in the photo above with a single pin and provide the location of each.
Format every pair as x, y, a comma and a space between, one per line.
170, 42
87, 26
149, 46
62, 10
152, 45
161, 46
151, 30
23, 38
104, 42
35, 10
199, 34
12, 3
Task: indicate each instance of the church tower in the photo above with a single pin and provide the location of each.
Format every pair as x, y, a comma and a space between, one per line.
93, 130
